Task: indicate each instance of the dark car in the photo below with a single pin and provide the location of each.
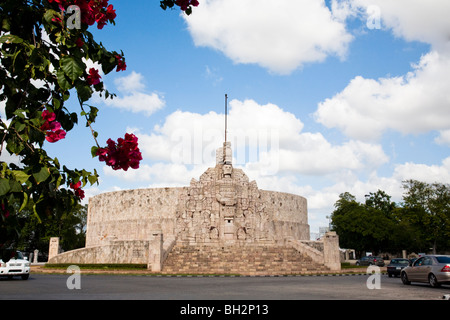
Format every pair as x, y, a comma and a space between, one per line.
432, 269
395, 267
370, 261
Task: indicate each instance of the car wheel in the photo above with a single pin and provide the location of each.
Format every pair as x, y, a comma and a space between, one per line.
389, 275
405, 278
25, 276
433, 281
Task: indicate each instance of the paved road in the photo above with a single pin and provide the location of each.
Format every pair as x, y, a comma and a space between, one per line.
120, 287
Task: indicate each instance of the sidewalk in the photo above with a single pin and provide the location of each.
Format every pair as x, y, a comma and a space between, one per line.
40, 268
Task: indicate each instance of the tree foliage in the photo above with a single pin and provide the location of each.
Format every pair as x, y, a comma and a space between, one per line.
421, 222
45, 50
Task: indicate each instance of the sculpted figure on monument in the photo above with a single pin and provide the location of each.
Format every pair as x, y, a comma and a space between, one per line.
226, 188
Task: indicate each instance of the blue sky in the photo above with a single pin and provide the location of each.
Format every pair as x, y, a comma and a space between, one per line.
324, 96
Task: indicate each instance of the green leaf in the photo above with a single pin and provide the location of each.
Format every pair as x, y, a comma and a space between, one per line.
92, 179
4, 187
41, 175
15, 186
94, 151
50, 14
25, 201
84, 92
20, 176
19, 126
73, 68
10, 38
36, 213
62, 80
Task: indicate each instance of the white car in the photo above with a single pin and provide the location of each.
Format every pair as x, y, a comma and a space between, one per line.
16, 266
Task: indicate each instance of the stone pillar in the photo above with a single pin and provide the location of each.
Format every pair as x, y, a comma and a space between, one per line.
53, 249
35, 257
227, 153
331, 254
404, 254
156, 250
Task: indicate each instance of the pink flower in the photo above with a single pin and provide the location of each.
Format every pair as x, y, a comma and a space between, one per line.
49, 116
79, 42
91, 11
78, 191
124, 154
121, 65
52, 128
185, 4
110, 12
5, 210
54, 136
93, 78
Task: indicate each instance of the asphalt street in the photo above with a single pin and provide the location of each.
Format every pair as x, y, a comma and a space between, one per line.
133, 287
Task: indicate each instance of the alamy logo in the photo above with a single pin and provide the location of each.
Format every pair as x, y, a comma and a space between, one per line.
74, 20
374, 17
374, 281
74, 281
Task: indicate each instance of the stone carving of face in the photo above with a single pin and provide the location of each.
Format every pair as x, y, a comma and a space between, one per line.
227, 169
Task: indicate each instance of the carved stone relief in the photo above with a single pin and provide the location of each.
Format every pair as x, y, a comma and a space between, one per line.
222, 205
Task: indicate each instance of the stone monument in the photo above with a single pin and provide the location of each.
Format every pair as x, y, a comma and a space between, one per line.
222, 209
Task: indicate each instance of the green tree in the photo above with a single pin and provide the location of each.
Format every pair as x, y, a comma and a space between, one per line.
427, 207
44, 49
29, 233
348, 221
364, 227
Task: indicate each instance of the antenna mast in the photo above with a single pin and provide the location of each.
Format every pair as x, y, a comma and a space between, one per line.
226, 115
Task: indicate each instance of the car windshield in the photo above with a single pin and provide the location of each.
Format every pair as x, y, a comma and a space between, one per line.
18, 255
443, 259
400, 261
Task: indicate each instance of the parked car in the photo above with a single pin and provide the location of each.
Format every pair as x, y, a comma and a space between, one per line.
14, 264
432, 269
370, 261
396, 265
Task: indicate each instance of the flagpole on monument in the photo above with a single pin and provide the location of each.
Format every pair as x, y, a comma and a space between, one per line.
226, 115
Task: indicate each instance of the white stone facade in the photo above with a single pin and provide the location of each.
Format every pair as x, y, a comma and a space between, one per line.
215, 208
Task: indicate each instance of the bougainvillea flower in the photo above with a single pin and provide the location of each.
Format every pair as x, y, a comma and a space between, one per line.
54, 136
52, 128
4, 210
91, 11
110, 12
75, 185
121, 65
184, 4
93, 78
49, 116
79, 43
124, 154
77, 188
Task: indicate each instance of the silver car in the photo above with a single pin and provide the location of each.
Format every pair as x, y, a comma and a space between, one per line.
432, 269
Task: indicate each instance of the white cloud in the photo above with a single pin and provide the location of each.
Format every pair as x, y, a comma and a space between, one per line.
443, 138
134, 98
425, 173
266, 141
414, 20
278, 35
415, 103
132, 83
159, 175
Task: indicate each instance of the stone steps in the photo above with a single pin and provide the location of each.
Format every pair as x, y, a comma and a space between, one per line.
244, 260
